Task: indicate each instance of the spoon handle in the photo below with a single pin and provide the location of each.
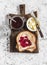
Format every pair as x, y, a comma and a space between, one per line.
11, 18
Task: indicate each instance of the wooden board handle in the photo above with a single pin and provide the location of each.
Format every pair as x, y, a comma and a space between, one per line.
22, 9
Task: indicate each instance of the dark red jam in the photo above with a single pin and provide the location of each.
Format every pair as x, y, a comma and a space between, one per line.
24, 41
18, 22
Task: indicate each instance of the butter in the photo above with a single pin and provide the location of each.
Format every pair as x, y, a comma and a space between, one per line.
31, 24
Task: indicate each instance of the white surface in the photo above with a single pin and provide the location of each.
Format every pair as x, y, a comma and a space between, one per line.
7, 58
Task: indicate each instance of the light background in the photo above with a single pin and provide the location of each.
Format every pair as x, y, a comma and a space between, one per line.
11, 6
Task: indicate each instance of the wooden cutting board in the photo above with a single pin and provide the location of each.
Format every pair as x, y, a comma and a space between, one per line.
14, 32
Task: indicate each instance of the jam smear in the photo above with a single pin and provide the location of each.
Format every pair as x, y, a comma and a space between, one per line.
24, 41
18, 22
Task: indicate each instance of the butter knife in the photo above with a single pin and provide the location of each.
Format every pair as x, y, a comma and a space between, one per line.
37, 25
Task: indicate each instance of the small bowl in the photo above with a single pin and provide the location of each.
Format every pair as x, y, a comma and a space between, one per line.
12, 24
32, 25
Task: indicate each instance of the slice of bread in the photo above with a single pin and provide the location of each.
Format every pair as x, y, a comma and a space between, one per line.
32, 39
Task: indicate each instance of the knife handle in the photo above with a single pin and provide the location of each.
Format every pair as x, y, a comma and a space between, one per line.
41, 34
